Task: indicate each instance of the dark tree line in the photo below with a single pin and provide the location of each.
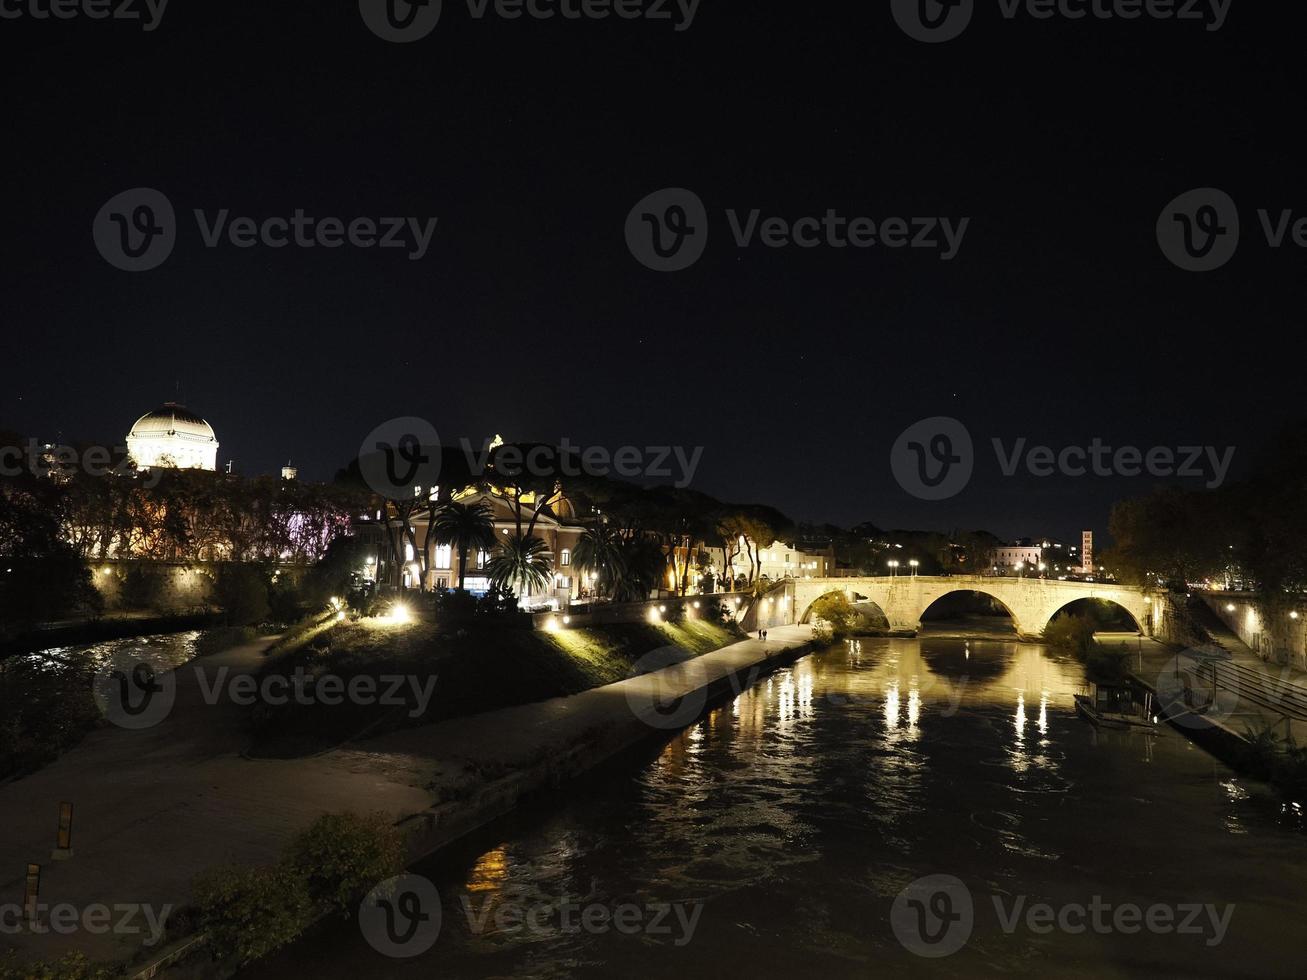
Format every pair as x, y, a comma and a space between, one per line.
1250, 534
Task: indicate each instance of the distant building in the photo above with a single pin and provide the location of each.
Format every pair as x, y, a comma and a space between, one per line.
1018, 557
779, 560
174, 437
289, 472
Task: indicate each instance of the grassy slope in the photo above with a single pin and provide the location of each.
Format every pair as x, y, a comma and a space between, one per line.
477, 669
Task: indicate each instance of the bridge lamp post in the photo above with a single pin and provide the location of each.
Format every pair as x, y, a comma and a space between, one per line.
893, 567
914, 563
1020, 568
1042, 569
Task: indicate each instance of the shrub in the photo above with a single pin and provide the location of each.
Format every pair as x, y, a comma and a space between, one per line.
43, 713
242, 594
250, 912
1075, 635
74, 966
836, 612
1071, 634
343, 855
142, 588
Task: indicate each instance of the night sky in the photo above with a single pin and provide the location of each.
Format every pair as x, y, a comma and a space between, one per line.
1060, 320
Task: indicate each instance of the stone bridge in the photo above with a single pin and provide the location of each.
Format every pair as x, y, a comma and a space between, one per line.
1031, 602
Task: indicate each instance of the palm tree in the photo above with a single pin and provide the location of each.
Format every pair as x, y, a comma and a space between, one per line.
521, 564
464, 527
599, 550
643, 565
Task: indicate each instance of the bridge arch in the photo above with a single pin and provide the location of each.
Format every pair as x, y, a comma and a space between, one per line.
1031, 602
1122, 607
970, 590
867, 608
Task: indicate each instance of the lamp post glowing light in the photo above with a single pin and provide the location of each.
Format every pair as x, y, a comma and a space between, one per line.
893, 567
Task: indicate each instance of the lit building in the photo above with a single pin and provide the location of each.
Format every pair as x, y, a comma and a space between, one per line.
780, 560
174, 437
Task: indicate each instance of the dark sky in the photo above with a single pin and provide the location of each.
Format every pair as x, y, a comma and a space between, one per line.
1059, 320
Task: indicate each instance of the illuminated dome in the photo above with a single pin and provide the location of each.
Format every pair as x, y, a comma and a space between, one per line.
173, 436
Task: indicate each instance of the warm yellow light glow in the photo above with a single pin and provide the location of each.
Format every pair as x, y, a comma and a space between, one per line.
399, 613
340, 615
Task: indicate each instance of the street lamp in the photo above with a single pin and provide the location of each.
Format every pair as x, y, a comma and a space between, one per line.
893, 567
914, 563
1042, 569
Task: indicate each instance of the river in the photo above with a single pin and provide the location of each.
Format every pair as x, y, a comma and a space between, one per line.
772, 839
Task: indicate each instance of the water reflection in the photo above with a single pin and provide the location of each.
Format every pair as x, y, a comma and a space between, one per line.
798, 812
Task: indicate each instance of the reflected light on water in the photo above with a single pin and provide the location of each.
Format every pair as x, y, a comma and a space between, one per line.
490, 872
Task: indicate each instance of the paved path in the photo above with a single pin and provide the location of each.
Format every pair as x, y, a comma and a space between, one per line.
156, 807
1257, 694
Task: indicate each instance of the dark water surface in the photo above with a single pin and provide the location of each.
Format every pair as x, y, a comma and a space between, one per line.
781, 828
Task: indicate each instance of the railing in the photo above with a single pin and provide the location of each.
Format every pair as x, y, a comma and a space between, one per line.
1256, 687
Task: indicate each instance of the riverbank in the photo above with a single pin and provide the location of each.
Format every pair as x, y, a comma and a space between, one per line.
457, 672
157, 806
787, 823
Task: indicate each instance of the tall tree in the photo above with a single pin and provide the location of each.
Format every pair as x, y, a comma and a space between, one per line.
521, 565
463, 527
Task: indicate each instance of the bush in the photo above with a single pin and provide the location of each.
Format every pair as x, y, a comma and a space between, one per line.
39, 590
250, 912
242, 594
43, 713
1071, 634
74, 966
343, 855
142, 589
836, 612
1075, 635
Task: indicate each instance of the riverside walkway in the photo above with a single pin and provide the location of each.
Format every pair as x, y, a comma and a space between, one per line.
156, 807
1246, 692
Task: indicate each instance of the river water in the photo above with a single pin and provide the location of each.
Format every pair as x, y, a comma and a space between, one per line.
772, 838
